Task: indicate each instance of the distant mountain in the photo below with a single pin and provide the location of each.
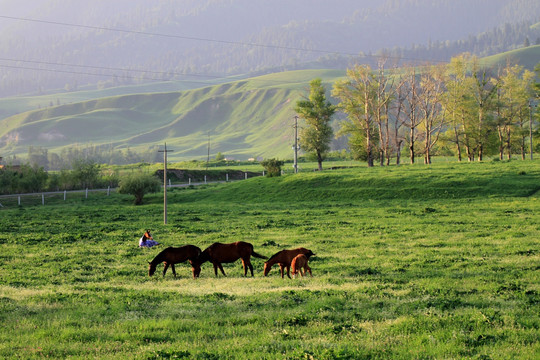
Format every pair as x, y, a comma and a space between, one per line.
54, 44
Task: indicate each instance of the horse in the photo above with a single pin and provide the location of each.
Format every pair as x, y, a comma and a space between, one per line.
175, 255
300, 261
284, 259
147, 240
219, 253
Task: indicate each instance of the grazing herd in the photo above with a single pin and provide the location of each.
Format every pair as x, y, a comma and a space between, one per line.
219, 253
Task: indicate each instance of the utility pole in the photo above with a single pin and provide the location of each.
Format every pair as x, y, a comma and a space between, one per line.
165, 151
296, 144
531, 107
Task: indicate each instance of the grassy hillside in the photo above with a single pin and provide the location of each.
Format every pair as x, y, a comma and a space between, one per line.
528, 57
244, 119
437, 262
241, 119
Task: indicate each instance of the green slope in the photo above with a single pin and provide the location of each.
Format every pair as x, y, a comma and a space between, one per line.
243, 119
528, 57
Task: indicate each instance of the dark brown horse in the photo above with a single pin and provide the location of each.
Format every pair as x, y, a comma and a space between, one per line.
219, 253
172, 255
284, 258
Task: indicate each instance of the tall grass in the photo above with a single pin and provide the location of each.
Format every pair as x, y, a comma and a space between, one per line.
411, 262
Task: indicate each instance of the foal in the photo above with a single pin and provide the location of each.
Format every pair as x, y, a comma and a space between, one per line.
284, 258
299, 262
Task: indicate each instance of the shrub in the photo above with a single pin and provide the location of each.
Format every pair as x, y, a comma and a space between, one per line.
138, 185
272, 167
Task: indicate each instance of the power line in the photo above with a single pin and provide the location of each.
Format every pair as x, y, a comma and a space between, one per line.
173, 36
240, 43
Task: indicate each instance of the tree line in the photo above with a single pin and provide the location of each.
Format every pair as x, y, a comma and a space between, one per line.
28, 178
461, 108
100, 154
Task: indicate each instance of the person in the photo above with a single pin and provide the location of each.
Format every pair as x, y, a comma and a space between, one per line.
147, 240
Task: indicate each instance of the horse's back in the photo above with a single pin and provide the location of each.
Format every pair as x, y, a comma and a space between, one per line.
180, 254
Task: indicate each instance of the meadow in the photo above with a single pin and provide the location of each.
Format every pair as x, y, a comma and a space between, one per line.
412, 262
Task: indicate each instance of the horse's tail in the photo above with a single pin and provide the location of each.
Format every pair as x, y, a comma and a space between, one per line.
258, 255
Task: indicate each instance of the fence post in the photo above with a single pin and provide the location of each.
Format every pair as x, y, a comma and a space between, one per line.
42, 199
65, 193
87, 193
245, 177
169, 182
189, 181
205, 179
227, 177
19, 201
108, 190
263, 172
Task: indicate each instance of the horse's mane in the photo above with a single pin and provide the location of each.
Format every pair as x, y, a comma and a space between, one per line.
159, 256
275, 255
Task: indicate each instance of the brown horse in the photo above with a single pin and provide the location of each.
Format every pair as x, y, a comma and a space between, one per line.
300, 261
219, 253
284, 258
172, 255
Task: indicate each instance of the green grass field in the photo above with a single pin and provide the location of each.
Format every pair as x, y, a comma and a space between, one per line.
412, 262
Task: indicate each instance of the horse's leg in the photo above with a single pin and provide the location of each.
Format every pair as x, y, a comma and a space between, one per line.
302, 271
221, 268
281, 270
165, 268
309, 270
289, 271
215, 268
244, 263
250, 267
173, 270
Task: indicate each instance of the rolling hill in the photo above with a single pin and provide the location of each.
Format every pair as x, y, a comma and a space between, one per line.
242, 119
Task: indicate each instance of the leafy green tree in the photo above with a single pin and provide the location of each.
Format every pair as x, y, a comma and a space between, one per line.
317, 112
514, 94
85, 172
138, 185
272, 167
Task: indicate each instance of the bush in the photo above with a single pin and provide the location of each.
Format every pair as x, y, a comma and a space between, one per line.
272, 167
138, 185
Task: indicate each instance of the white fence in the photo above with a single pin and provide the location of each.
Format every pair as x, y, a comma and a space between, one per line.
30, 199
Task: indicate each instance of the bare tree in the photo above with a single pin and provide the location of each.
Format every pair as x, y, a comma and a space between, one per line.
429, 105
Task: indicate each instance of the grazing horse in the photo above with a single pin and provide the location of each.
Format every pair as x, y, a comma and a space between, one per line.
284, 258
219, 253
172, 255
300, 261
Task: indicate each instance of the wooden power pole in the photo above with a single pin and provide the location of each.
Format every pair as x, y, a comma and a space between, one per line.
165, 151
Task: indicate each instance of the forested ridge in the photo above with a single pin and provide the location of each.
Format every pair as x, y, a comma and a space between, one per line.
121, 43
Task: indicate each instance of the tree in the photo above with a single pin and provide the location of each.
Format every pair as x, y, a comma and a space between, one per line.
432, 114
138, 185
514, 93
412, 118
455, 100
272, 167
483, 92
85, 172
356, 94
317, 112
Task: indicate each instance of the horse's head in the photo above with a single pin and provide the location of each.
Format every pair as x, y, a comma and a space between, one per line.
196, 268
267, 268
151, 269
309, 254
